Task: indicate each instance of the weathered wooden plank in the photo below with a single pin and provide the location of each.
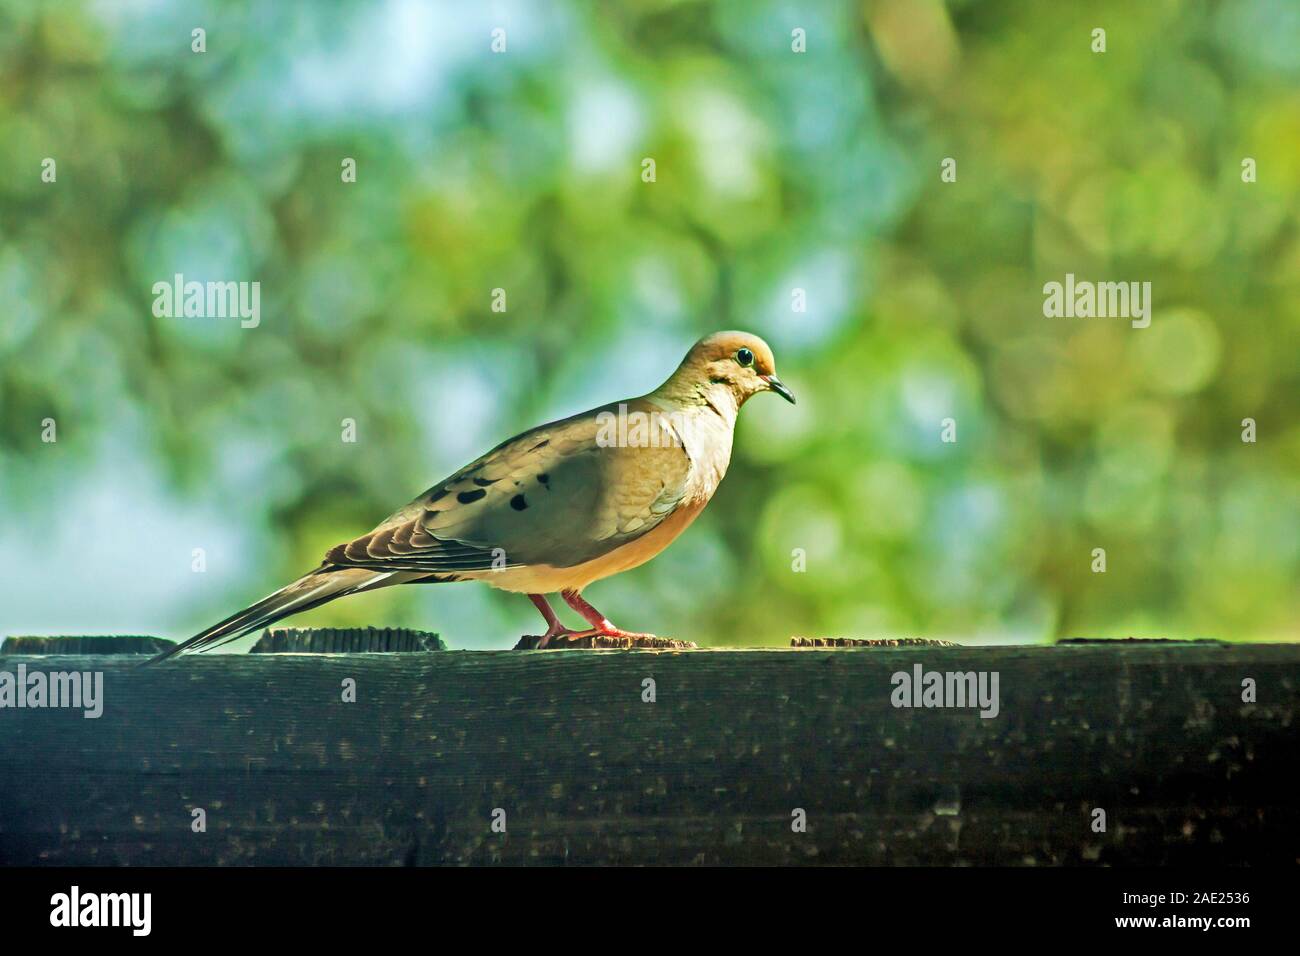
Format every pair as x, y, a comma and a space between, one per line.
711, 771
336, 640
529, 642
85, 644
868, 642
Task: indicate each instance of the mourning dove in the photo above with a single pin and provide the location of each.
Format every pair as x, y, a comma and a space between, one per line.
556, 508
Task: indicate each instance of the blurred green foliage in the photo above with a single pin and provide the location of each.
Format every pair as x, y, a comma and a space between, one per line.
775, 170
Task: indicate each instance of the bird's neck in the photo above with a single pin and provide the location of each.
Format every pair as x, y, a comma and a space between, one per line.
714, 398
705, 418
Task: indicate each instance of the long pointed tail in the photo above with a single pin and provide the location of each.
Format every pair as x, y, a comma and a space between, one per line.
309, 591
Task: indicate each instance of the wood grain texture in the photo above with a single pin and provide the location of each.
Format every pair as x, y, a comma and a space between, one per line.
586, 772
85, 644
346, 640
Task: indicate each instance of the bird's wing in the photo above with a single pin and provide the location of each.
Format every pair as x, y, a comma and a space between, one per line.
557, 495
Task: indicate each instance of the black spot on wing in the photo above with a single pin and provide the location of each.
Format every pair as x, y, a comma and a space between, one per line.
518, 503
484, 482
466, 497
544, 478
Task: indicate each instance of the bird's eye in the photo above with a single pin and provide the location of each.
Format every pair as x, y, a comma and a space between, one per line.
745, 357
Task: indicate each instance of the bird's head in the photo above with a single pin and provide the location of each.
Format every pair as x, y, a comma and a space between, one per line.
738, 362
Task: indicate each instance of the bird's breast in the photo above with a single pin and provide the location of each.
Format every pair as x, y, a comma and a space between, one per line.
545, 579
706, 439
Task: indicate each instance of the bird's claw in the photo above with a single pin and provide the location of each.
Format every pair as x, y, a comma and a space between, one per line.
612, 631
552, 639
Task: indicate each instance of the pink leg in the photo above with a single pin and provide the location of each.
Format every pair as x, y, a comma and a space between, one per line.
601, 626
554, 628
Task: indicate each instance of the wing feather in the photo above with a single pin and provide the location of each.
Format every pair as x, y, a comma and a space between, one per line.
556, 495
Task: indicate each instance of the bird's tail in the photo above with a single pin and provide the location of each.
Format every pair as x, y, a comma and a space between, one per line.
311, 590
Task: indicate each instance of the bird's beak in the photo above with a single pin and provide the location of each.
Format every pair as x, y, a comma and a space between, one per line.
778, 386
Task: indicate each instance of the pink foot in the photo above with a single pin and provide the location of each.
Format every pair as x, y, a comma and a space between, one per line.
554, 629
601, 626
609, 630
554, 634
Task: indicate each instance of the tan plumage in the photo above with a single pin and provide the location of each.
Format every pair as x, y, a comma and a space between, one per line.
557, 507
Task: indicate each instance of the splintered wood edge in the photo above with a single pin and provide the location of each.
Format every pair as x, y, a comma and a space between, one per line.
399, 640
347, 640
93, 644
869, 642
529, 643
